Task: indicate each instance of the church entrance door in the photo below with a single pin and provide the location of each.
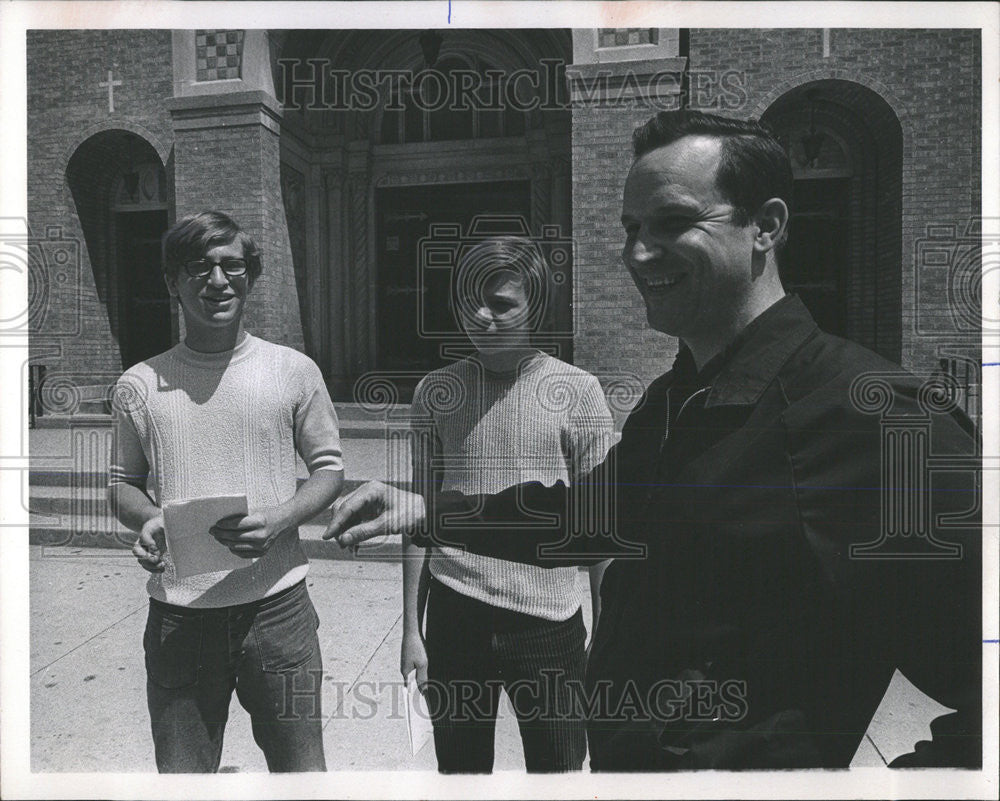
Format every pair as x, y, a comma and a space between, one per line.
414, 317
143, 301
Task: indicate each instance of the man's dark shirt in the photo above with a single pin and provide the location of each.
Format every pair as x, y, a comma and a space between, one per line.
749, 635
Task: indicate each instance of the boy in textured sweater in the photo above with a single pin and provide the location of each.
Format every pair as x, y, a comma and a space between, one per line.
506, 415
224, 413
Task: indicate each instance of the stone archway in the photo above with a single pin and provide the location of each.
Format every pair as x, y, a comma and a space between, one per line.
119, 186
845, 243
343, 165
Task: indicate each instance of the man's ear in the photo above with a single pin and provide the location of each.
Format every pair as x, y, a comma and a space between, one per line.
771, 221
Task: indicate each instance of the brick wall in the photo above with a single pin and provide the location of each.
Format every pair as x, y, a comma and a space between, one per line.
931, 79
235, 169
65, 107
609, 315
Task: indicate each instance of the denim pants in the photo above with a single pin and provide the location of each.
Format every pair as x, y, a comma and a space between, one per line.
267, 651
473, 650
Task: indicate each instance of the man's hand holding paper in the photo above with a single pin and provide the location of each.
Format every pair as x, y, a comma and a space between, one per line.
189, 527
250, 535
151, 544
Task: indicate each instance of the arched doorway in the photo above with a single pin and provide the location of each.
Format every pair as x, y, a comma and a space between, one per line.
120, 189
844, 251
385, 174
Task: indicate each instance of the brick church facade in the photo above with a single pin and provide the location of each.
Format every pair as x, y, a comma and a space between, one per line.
350, 190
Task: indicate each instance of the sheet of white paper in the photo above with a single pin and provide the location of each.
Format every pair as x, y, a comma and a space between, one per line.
418, 719
192, 548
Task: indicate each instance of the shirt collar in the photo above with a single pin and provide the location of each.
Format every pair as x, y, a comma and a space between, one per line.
739, 374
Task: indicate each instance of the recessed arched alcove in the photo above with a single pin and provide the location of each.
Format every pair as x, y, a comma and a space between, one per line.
844, 254
119, 187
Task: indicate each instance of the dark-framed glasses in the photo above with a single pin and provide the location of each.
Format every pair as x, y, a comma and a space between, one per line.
199, 268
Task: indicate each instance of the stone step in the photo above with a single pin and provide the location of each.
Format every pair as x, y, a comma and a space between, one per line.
61, 515
66, 479
356, 421
64, 499
111, 534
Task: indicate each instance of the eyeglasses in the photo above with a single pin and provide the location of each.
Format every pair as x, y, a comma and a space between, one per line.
200, 268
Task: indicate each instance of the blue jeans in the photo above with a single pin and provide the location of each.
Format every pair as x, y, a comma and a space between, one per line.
473, 650
267, 651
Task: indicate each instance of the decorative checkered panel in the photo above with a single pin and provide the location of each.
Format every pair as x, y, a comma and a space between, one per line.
621, 37
219, 54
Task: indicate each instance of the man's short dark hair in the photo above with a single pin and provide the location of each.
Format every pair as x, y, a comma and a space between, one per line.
193, 236
753, 166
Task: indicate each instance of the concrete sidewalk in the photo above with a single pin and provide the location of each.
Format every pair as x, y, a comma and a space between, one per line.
88, 702
88, 707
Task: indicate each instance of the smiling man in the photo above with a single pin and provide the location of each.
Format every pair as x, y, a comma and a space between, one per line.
224, 413
762, 625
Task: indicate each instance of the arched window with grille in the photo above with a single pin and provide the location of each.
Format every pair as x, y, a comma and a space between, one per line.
459, 98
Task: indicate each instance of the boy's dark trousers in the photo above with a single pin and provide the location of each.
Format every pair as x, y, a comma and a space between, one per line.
474, 649
267, 651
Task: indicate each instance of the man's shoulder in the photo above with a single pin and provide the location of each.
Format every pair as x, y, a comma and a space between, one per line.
459, 370
826, 361
550, 365
284, 356
449, 382
834, 384
146, 370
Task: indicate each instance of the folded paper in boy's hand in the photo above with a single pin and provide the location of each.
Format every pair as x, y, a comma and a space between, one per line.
418, 719
191, 546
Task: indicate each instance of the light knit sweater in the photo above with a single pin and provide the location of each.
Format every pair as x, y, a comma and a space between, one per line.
208, 424
546, 422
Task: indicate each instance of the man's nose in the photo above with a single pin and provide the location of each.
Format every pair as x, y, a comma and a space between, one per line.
642, 250
484, 317
217, 277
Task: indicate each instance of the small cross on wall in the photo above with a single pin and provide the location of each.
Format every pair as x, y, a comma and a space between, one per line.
110, 83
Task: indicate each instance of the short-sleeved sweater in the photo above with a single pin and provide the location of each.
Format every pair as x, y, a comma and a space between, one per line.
207, 424
547, 421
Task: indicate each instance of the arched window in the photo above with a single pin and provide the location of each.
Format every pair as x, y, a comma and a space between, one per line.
457, 99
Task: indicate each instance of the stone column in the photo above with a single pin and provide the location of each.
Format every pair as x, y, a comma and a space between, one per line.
226, 157
358, 272
339, 329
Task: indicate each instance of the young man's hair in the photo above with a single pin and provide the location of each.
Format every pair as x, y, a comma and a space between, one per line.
191, 237
753, 166
497, 254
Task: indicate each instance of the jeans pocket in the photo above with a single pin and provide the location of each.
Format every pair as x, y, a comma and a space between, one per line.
285, 633
172, 645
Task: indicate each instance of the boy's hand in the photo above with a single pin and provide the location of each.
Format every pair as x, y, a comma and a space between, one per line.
413, 656
249, 536
151, 545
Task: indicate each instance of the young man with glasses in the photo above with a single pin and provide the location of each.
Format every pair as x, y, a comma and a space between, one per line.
224, 413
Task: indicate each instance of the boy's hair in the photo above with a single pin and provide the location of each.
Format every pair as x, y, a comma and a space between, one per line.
193, 236
515, 254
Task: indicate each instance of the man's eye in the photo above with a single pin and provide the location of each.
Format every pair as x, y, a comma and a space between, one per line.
670, 224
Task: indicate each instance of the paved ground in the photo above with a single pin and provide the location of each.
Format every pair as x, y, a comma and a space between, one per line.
87, 682
88, 708
87, 679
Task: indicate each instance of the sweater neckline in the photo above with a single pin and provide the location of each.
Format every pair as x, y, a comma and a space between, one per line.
244, 348
526, 365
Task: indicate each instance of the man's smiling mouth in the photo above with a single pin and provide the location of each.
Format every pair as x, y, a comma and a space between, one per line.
656, 284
